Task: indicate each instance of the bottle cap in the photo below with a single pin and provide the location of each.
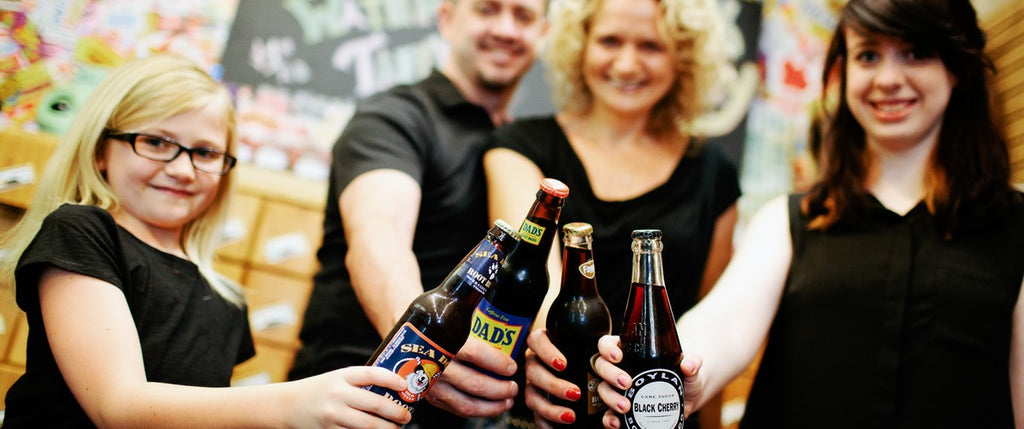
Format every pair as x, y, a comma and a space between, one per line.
506, 228
577, 229
646, 234
554, 187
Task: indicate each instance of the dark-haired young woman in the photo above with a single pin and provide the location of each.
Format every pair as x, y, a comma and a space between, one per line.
888, 294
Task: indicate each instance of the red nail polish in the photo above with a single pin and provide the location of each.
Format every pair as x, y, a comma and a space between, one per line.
558, 364
573, 394
568, 417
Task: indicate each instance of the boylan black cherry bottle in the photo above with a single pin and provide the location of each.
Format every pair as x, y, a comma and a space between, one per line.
506, 313
436, 324
650, 344
578, 317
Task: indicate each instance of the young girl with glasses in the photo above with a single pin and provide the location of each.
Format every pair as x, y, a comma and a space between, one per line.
129, 326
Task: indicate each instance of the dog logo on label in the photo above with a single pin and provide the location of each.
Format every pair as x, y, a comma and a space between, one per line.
419, 375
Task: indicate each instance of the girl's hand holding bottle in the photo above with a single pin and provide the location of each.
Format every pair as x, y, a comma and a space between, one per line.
616, 381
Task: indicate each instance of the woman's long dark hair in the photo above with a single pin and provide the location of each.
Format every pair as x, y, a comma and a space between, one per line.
970, 171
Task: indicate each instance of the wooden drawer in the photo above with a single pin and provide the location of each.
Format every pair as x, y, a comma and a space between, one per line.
23, 156
9, 313
19, 342
8, 375
276, 304
270, 365
240, 229
287, 239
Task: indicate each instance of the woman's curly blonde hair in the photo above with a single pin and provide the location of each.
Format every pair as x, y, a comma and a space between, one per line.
694, 33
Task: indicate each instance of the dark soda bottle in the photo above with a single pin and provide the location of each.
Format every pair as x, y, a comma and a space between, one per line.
509, 307
577, 319
650, 343
436, 324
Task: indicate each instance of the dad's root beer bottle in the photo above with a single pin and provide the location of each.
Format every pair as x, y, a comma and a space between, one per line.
650, 343
504, 316
436, 324
506, 313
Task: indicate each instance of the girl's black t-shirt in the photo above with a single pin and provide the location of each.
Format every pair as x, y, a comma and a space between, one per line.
189, 334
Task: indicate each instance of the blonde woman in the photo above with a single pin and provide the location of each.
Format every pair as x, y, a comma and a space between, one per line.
630, 78
128, 324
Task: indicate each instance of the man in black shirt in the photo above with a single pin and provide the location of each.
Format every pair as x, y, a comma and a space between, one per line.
407, 200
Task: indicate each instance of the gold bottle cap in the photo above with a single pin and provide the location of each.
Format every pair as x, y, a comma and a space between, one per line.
577, 229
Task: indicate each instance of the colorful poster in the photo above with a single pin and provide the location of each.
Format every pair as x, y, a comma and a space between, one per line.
54, 52
792, 46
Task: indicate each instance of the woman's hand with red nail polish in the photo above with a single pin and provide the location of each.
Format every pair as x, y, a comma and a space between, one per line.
541, 381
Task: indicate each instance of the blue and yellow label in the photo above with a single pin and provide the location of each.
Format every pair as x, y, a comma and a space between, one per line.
531, 232
413, 356
505, 332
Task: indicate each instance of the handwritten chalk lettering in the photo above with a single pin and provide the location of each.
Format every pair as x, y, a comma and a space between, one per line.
357, 53
403, 63
274, 57
377, 66
400, 14
329, 19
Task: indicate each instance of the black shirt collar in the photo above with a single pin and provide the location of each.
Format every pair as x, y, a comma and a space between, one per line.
442, 90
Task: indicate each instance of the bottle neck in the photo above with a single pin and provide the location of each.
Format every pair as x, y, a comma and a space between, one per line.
647, 264
578, 269
474, 275
539, 228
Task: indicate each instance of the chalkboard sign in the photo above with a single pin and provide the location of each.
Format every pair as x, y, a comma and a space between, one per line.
337, 48
297, 68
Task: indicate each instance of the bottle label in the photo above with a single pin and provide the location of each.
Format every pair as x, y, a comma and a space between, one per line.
587, 269
594, 403
412, 355
531, 232
481, 266
657, 398
504, 331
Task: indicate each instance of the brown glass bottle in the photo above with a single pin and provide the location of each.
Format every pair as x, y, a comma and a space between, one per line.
436, 324
506, 313
577, 319
509, 307
650, 343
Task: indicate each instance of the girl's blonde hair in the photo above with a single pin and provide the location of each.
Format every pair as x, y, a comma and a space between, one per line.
134, 96
695, 35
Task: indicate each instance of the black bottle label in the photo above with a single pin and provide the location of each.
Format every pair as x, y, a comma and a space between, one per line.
412, 355
657, 398
594, 403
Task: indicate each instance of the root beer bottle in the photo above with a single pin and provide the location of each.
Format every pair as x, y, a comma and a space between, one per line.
650, 343
577, 319
436, 324
506, 313
504, 316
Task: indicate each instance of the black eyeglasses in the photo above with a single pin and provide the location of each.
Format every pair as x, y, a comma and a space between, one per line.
160, 148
